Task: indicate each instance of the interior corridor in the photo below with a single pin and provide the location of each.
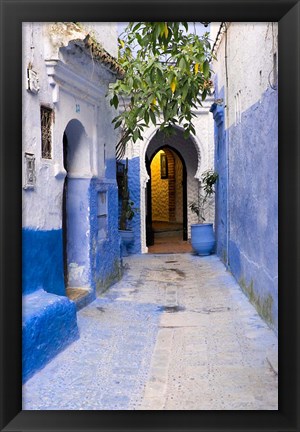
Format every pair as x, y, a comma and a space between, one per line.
168, 238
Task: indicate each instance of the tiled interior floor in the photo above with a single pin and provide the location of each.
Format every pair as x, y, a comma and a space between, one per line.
168, 239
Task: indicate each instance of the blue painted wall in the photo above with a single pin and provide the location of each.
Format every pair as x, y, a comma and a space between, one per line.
78, 229
42, 261
49, 317
99, 256
220, 225
42, 251
253, 203
104, 252
134, 194
134, 187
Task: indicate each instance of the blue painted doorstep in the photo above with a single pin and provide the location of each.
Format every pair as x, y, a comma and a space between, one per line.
49, 324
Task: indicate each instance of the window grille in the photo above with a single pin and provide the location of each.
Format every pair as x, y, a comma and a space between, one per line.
46, 129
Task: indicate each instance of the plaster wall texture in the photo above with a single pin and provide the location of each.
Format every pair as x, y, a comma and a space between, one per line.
42, 206
58, 34
104, 32
48, 321
248, 140
42, 258
78, 233
135, 196
104, 250
250, 49
221, 188
74, 87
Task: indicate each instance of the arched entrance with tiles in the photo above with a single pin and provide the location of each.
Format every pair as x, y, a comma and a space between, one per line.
172, 167
166, 201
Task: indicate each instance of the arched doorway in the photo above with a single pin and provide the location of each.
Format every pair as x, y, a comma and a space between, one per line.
196, 159
76, 211
166, 201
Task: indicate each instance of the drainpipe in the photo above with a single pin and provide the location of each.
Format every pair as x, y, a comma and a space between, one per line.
218, 109
227, 148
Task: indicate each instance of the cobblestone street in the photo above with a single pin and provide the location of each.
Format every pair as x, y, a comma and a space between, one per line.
176, 333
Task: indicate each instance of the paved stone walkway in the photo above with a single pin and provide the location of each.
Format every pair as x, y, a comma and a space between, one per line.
176, 333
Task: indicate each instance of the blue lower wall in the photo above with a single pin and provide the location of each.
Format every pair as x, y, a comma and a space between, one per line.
49, 317
252, 203
221, 186
78, 229
134, 194
42, 251
134, 184
104, 252
42, 261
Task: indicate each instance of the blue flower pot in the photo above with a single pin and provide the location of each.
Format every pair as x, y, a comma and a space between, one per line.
203, 239
127, 237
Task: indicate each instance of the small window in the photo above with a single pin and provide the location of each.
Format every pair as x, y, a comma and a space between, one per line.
102, 215
46, 130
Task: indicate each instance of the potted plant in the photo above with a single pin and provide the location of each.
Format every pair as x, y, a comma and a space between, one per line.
127, 212
202, 234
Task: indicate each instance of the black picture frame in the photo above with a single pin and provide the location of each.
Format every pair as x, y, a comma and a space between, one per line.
163, 166
13, 13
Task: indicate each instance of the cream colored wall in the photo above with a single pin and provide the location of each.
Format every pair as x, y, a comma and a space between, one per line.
160, 192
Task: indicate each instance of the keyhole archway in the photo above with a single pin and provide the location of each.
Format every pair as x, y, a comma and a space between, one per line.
192, 152
75, 211
166, 196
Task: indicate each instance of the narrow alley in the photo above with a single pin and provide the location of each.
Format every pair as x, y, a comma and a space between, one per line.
176, 333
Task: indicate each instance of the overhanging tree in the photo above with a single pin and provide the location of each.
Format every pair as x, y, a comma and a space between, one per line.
167, 76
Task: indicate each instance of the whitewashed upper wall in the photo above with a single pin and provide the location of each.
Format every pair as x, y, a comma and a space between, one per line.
250, 65
57, 34
105, 33
72, 99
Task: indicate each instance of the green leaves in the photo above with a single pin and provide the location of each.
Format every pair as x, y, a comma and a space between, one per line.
114, 101
206, 69
152, 117
182, 63
167, 76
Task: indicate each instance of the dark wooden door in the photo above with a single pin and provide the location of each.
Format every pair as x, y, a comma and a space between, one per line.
149, 230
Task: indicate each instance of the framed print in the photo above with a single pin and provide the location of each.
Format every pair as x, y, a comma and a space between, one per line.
21, 170
163, 166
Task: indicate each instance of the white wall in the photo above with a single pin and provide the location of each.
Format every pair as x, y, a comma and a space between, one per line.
256, 63
72, 94
106, 33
